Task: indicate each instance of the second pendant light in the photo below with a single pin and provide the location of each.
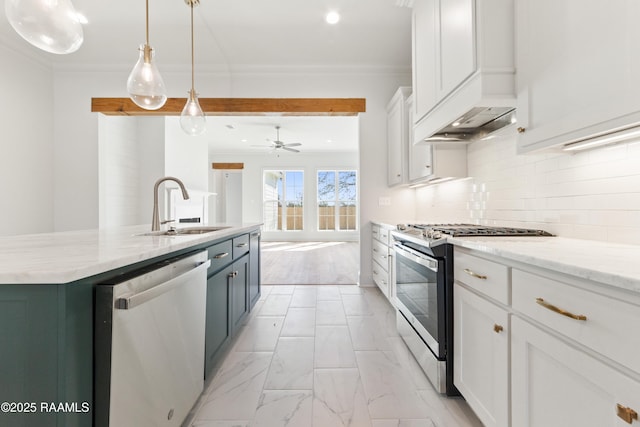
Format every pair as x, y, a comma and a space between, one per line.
192, 119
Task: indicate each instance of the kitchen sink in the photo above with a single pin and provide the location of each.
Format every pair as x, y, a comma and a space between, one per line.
187, 231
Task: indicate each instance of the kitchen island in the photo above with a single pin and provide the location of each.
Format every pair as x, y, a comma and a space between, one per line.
47, 310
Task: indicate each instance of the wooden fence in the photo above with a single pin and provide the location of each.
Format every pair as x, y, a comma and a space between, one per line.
326, 218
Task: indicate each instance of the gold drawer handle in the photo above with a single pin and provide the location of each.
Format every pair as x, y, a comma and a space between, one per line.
626, 413
221, 255
498, 328
555, 309
474, 274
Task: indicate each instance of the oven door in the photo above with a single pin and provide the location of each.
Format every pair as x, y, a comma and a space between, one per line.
419, 287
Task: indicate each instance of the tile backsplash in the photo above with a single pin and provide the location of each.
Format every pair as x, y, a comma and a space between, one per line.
589, 195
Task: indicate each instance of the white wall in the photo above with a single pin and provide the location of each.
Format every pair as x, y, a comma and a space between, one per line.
590, 195
131, 157
310, 163
118, 171
26, 144
186, 157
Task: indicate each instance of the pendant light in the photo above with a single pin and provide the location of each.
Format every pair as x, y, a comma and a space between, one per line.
192, 119
145, 85
53, 26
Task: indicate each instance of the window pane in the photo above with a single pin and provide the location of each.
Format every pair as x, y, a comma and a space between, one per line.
294, 192
347, 185
326, 186
327, 216
347, 216
282, 200
337, 200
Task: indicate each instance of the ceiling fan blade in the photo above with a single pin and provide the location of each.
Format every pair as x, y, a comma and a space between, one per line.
290, 149
293, 144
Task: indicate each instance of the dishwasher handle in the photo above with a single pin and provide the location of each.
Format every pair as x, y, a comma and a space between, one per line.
132, 301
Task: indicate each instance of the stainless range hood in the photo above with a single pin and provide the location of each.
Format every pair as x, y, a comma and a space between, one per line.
477, 123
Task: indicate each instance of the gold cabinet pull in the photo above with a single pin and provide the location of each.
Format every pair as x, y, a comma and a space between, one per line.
474, 274
522, 130
626, 413
555, 309
498, 328
221, 255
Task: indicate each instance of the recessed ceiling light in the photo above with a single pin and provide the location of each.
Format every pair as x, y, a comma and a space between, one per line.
332, 17
243, 140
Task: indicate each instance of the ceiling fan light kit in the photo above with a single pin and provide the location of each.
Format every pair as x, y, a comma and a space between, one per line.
277, 144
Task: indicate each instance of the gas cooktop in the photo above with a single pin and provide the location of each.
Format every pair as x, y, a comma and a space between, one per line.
438, 231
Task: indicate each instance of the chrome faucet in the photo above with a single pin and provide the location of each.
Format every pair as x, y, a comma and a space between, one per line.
155, 222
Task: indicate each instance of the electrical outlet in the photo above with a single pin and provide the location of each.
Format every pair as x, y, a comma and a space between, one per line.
384, 201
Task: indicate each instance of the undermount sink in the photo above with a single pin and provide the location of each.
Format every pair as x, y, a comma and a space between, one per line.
187, 231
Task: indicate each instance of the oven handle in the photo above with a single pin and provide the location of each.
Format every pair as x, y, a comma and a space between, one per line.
416, 257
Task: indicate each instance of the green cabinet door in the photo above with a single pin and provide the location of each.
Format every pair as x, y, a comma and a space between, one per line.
239, 289
217, 328
254, 268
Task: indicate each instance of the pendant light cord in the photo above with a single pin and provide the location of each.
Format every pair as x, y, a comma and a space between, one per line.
147, 23
192, 53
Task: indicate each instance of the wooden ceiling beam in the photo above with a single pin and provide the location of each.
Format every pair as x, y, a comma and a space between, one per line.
238, 107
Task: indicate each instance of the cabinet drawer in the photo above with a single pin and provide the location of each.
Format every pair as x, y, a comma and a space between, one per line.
380, 234
487, 277
375, 231
602, 324
380, 277
220, 255
380, 254
240, 245
384, 235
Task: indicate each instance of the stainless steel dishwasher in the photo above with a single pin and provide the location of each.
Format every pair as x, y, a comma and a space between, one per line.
149, 351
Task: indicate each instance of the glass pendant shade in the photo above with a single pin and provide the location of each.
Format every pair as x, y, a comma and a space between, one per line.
50, 25
192, 118
145, 85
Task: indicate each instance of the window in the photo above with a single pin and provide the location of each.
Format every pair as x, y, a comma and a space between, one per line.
283, 200
337, 200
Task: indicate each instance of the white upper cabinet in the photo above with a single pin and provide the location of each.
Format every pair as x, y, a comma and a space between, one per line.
420, 159
425, 49
462, 59
457, 44
397, 137
578, 69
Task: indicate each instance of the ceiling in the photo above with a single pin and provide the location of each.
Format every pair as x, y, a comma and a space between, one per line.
237, 35
253, 134
233, 34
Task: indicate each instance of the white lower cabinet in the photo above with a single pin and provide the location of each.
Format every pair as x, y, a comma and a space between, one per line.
380, 265
534, 348
481, 355
555, 384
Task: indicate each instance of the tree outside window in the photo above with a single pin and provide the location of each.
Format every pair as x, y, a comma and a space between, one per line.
337, 200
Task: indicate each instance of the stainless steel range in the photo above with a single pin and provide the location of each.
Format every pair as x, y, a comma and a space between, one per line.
423, 291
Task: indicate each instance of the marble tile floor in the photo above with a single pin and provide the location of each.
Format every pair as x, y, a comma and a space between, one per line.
324, 356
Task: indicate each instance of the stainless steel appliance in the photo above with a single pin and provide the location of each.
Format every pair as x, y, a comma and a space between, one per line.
423, 284
149, 351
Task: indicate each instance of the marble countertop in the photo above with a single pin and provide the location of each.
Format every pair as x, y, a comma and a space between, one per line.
612, 264
64, 257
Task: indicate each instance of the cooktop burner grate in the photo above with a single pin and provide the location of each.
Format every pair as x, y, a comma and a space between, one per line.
467, 230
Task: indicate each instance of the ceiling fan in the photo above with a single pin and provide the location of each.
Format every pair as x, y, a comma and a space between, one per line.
277, 144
